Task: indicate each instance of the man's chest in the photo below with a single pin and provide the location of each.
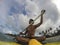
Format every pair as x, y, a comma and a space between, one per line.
31, 28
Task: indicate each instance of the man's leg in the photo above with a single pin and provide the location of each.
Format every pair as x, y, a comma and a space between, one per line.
22, 39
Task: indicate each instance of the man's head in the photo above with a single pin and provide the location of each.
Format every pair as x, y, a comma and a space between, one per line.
31, 21
50, 28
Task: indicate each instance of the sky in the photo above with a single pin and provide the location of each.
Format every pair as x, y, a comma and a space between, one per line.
15, 14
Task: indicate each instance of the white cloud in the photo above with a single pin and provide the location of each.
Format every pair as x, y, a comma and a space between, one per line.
46, 25
20, 21
31, 8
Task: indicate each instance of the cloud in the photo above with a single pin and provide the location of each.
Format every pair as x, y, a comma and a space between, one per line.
50, 7
15, 14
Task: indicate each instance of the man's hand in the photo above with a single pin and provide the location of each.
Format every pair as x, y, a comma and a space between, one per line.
42, 12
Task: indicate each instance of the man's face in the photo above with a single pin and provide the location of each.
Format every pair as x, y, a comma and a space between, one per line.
31, 21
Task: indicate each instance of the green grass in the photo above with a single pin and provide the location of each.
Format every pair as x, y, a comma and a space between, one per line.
8, 43
53, 43
14, 43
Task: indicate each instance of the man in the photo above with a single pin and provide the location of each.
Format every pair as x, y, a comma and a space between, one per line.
30, 30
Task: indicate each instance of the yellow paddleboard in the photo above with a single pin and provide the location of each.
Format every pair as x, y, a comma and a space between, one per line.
34, 42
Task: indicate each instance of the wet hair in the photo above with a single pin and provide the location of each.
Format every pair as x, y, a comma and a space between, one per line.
31, 20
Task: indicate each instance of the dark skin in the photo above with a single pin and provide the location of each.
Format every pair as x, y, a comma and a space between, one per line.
30, 30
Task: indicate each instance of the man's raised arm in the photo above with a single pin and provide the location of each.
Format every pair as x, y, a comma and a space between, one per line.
41, 21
